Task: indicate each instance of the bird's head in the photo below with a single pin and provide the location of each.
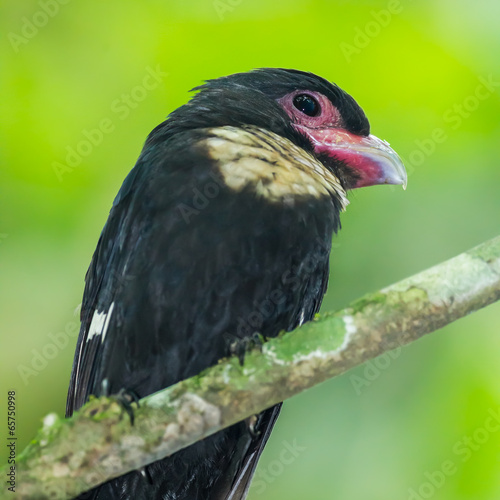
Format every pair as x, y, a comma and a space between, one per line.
314, 114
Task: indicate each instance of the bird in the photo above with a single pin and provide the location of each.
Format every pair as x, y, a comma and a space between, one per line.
220, 232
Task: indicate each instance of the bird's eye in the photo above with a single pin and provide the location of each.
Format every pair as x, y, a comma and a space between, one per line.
307, 104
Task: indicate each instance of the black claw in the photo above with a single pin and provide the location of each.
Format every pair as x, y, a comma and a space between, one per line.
241, 349
125, 398
259, 340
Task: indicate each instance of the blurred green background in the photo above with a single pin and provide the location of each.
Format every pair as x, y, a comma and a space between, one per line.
427, 75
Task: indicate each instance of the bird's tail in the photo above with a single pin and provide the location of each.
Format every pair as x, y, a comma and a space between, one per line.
235, 484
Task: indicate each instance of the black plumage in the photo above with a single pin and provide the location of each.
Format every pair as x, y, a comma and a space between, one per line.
208, 241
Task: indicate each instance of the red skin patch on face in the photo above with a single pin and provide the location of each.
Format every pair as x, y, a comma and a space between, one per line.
371, 158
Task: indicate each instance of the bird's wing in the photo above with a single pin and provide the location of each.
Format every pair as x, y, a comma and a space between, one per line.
101, 283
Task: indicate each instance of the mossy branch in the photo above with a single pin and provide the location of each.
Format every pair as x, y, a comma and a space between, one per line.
70, 456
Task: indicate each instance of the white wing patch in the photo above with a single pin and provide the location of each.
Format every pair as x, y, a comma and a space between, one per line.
301, 317
100, 322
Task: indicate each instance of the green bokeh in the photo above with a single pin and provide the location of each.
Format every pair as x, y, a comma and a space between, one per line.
409, 70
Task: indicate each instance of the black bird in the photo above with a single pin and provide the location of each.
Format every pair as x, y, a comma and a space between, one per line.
222, 229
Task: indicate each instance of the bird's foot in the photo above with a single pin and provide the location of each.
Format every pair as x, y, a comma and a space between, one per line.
125, 398
239, 347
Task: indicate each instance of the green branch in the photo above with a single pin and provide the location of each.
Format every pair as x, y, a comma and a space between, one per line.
70, 456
